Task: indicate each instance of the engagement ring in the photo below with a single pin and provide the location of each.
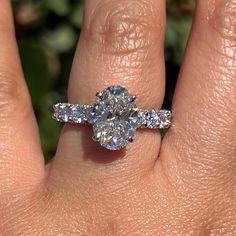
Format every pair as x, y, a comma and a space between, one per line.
114, 117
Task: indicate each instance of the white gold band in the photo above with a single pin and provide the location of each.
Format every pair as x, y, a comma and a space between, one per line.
80, 114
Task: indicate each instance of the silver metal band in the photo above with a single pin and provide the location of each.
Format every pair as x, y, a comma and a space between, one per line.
81, 114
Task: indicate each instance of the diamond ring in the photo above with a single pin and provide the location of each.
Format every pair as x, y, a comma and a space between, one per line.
115, 117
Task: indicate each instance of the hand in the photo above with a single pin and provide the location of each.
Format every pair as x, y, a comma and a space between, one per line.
184, 185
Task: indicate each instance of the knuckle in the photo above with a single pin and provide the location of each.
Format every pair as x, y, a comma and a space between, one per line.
224, 19
122, 29
13, 96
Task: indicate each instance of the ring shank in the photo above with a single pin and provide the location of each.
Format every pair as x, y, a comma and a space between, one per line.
79, 114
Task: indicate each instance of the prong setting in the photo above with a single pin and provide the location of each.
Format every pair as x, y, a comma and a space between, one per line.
131, 140
134, 97
98, 95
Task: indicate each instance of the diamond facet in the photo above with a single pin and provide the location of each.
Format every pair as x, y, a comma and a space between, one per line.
65, 112
136, 117
165, 119
62, 112
158, 119
115, 100
113, 134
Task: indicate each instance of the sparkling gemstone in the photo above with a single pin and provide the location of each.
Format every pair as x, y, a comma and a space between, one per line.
113, 134
165, 119
96, 113
114, 117
69, 113
153, 119
62, 112
158, 119
75, 113
117, 90
115, 99
137, 117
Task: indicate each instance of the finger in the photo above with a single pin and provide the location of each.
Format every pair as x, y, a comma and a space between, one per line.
204, 105
21, 160
121, 44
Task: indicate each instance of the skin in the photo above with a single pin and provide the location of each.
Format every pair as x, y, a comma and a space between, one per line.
182, 185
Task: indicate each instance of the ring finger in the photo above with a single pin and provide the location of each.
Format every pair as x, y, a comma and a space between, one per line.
121, 44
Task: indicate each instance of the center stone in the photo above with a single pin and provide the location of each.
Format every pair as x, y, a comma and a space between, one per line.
113, 118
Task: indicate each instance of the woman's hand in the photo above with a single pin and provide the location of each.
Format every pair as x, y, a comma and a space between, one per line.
184, 185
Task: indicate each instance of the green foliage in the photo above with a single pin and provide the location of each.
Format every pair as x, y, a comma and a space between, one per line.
36, 71
47, 32
176, 37
60, 7
61, 39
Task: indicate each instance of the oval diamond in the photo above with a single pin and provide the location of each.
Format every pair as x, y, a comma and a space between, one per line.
114, 117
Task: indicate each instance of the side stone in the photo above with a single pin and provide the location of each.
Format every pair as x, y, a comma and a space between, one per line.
160, 119
64, 112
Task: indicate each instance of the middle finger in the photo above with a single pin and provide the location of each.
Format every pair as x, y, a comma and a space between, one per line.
121, 44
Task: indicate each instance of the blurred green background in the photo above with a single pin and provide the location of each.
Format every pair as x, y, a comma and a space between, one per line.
47, 33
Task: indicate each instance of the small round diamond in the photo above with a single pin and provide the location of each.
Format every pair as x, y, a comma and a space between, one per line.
62, 112
158, 119
165, 119
75, 113
69, 113
113, 134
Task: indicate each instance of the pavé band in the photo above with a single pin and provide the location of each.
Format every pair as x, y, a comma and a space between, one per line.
114, 117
